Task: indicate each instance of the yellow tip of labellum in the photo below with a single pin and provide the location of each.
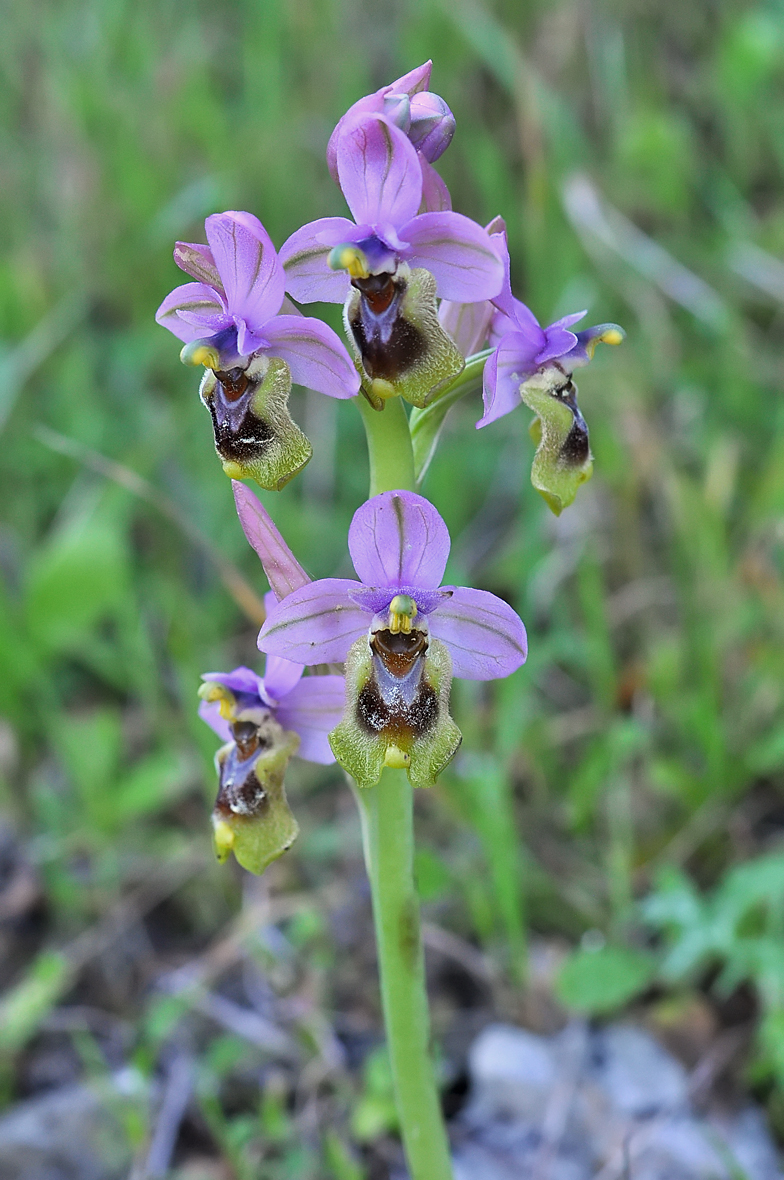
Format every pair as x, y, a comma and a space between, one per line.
349, 258
223, 837
198, 353
402, 612
396, 759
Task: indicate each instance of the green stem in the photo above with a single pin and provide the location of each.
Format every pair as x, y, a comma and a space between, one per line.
426, 424
389, 446
388, 837
387, 812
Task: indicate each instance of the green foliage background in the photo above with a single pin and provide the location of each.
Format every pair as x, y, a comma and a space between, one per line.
636, 151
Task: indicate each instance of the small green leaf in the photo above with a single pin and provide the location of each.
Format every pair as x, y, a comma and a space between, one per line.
604, 979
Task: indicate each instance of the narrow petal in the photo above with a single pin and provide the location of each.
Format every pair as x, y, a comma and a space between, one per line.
242, 679
316, 624
567, 321
435, 194
248, 266
312, 709
314, 353
379, 172
197, 261
304, 259
280, 676
398, 539
559, 341
283, 571
485, 637
192, 298
458, 252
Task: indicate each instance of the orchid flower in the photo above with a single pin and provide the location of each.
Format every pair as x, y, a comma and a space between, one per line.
522, 346
380, 175
422, 115
230, 323
264, 720
232, 312
402, 636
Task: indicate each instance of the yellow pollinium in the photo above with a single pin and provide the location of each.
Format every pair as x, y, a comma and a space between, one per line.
402, 612
350, 258
199, 353
223, 838
612, 334
211, 691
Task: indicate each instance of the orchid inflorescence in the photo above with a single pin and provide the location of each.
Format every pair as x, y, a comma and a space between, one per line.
424, 289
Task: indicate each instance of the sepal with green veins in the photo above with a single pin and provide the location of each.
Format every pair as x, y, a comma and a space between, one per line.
392, 322
563, 459
397, 706
255, 435
251, 816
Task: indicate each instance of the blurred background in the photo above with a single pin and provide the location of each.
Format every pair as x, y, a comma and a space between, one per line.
610, 842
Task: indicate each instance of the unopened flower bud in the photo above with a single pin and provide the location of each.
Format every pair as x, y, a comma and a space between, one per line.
432, 125
397, 108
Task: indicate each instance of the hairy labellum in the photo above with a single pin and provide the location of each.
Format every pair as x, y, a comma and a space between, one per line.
563, 458
255, 436
392, 320
397, 707
251, 817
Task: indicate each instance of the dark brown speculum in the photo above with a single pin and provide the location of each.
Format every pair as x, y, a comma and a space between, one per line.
388, 342
397, 702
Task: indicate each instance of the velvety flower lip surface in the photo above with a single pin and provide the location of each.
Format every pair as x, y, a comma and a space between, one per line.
233, 308
399, 545
522, 345
381, 179
310, 707
422, 115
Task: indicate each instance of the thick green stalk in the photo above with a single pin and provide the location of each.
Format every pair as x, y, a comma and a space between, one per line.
387, 812
388, 837
389, 446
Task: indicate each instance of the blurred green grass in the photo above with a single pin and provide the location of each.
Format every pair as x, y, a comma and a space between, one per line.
636, 152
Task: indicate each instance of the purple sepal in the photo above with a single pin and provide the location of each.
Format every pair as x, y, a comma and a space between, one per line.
485, 637
397, 539
316, 624
283, 571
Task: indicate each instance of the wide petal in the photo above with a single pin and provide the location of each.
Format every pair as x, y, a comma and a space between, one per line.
458, 252
196, 260
309, 277
485, 637
314, 353
248, 266
313, 708
283, 571
316, 624
195, 299
379, 172
435, 194
398, 539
